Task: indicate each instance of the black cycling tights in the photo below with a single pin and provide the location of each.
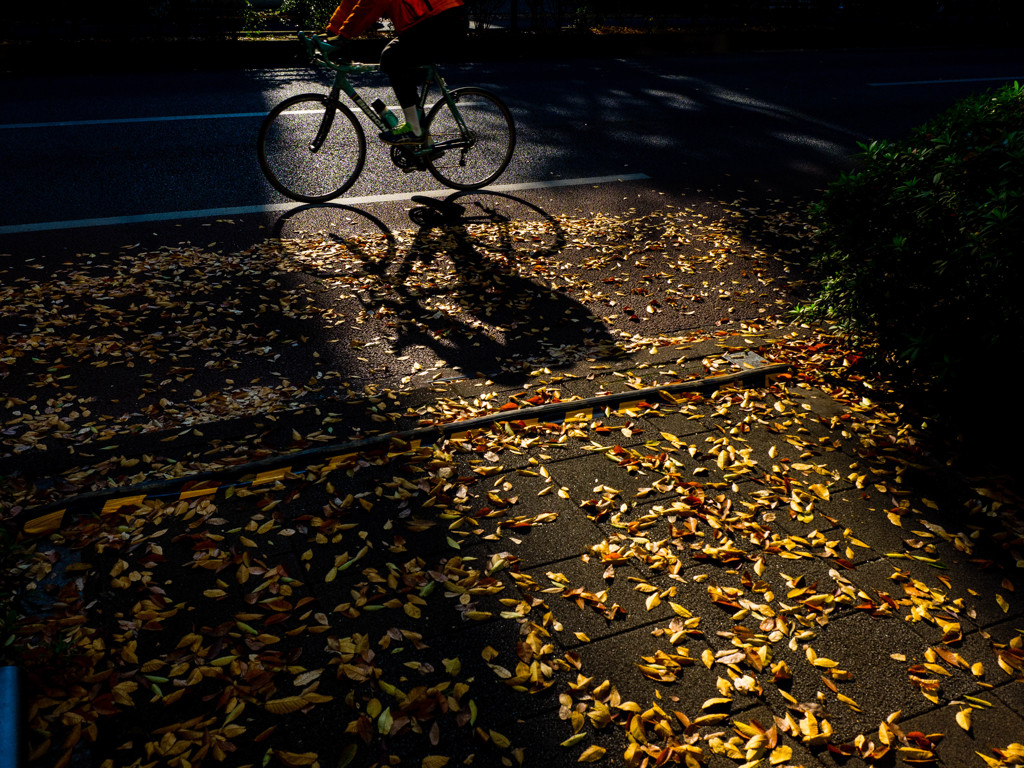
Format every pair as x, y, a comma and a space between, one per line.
434, 39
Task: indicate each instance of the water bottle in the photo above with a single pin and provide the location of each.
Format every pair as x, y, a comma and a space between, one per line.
385, 114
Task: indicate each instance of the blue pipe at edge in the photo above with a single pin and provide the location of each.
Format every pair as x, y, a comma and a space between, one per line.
10, 717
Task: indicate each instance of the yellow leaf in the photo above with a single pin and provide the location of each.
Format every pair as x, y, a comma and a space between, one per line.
781, 754
848, 701
572, 741
680, 610
1002, 603
499, 739
434, 761
715, 702
975, 700
592, 754
286, 705
710, 719
913, 753
708, 657
746, 730
385, 721
963, 718
122, 692
294, 758
821, 491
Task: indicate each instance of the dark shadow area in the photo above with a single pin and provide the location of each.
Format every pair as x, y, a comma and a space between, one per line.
355, 605
498, 311
470, 292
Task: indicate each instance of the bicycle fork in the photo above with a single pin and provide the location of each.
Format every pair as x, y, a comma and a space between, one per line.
326, 121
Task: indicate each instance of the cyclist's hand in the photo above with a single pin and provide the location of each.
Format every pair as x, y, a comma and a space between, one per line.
334, 46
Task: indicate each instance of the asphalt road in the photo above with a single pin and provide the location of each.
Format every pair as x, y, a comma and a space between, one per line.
80, 148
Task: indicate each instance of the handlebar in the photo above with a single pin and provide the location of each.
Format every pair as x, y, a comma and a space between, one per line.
318, 45
324, 53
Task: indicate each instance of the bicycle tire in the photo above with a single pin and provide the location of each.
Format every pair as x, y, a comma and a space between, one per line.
285, 150
489, 149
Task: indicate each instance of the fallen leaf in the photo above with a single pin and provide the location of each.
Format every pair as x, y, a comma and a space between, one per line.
592, 754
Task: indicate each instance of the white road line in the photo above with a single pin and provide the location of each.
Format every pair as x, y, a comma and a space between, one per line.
164, 119
46, 226
946, 82
120, 120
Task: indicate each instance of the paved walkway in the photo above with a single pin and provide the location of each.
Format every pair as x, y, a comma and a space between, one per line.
707, 576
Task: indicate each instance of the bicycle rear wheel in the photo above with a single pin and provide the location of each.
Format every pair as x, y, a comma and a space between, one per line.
475, 157
311, 148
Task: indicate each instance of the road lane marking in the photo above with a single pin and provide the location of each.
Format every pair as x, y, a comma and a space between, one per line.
163, 119
109, 221
946, 82
121, 120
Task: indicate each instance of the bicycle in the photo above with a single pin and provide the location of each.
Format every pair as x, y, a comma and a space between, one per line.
312, 147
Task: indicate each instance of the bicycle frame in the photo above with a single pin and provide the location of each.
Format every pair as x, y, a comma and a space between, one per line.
315, 47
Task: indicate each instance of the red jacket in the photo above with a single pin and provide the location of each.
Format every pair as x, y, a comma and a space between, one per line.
352, 17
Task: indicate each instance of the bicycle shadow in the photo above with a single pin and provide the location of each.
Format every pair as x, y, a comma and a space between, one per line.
478, 286
472, 291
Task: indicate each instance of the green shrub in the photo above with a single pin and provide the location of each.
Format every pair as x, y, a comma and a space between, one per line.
309, 14
921, 248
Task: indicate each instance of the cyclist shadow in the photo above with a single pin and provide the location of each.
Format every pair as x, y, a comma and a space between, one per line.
481, 286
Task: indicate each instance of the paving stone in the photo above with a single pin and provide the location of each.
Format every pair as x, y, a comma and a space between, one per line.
761, 717
880, 685
587, 618
1011, 695
617, 658
990, 727
875, 578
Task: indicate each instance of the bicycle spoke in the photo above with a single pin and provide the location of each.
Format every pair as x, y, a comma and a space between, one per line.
477, 151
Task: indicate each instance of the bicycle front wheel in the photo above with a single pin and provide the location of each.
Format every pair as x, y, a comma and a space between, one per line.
311, 148
474, 153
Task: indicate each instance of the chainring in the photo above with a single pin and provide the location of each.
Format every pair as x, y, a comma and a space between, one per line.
405, 159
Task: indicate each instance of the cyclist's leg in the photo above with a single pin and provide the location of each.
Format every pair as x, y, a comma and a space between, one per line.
398, 62
432, 39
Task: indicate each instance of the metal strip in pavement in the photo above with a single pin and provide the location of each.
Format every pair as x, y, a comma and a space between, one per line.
48, 518
146, 218
947, 82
